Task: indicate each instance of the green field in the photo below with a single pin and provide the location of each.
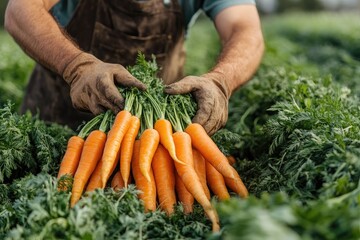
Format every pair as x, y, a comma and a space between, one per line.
296, 138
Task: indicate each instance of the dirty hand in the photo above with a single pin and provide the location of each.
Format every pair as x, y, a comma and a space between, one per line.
92, 84
212, 96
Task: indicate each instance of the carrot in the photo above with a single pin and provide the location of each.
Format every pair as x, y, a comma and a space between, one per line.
126, 149
164, 173
74, 147
95, 179
189, 177
202, 142
207, 147
72, 155
236, 184
90, 156
200, 168
164, 128
117, 182
147, 188
184, 196
149, 141
113, 142
216, 182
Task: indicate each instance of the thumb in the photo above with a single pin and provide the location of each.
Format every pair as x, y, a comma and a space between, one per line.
183, 86
126, 79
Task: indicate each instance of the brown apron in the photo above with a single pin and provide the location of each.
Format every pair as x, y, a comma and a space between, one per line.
114, 31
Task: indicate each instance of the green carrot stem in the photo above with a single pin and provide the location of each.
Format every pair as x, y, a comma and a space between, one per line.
105, 121
159, 107
173, 116
86, 129
129, 100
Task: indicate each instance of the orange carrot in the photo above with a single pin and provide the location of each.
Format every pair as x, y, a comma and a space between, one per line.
117, 182
72, 155
131, 179
126, 149
164, 173
200, 168
149, 141
184, 196
164, 128
113, 142
95, 179
90, 156
189, 177
236, 184
74, 150
147, 188
163, 125
216, 182
207, 147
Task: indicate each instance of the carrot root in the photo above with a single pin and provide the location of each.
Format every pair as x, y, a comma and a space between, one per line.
72, 155
113, 143
164, 173
126, 149
149, 141
207, 147
147, 188
90, 156
189, 177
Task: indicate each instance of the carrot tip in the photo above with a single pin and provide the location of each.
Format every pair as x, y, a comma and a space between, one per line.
146, 175
175, 158
103, 183
180, 162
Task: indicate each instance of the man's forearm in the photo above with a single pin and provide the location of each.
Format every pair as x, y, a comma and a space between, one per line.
35, 30
240, 57
243, 46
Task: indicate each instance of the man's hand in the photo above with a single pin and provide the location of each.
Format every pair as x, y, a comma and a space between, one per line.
92, 84
212, 96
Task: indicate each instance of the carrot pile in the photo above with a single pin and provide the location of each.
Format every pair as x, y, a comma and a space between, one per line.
153, 144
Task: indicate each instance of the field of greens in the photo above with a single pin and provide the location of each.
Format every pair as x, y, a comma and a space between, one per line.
296, 140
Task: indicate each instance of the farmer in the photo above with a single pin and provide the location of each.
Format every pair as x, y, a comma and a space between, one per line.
82, 49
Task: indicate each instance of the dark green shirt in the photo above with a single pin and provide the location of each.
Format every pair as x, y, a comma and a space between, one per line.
64, 10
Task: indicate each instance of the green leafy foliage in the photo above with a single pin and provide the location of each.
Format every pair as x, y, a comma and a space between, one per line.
28, 145
316, 135
228, 142
305, 142
279, 216
42, 212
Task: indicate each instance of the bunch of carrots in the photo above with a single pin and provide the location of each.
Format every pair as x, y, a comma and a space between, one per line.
153, 143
